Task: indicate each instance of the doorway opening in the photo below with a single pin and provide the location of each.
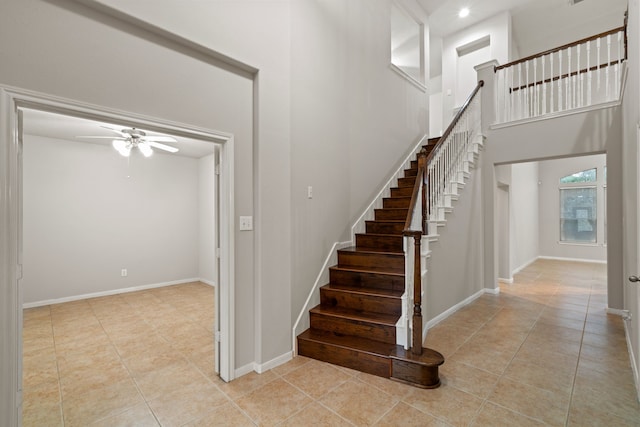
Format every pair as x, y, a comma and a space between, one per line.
551, 209
20, 101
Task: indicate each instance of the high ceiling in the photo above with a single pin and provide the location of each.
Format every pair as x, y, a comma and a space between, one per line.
537, 25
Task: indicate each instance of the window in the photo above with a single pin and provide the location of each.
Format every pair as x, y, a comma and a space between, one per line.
578, 213
588, 175
407, 45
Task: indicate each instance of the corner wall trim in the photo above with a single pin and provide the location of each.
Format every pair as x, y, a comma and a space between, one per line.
111, 292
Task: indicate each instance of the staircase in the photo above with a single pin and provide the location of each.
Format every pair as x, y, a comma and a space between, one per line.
355, 323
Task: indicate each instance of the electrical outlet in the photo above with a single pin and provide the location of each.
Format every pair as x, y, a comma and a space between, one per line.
309, 192
246, 223
123, 272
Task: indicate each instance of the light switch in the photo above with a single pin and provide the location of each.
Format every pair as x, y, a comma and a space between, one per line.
246, 223
309, 192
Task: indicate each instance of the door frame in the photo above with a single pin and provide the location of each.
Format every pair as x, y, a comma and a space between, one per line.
11, 300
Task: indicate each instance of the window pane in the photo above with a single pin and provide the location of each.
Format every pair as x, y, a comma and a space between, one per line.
582, 176
578, 215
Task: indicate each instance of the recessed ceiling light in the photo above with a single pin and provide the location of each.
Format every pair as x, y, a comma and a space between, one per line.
464, 12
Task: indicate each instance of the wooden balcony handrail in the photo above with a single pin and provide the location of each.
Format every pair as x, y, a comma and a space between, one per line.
564, 76
568, 45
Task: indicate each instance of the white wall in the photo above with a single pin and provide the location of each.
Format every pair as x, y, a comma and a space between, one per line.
629, 186
207, 261
455, 266
524, 221
550, 173
498, 28
88, 214
352, 119
329, 112
185, 86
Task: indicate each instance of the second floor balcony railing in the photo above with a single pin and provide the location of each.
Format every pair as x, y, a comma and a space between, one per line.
581, 74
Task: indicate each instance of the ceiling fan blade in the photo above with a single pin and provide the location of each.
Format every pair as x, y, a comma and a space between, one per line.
114, 130
101, 137
160, 138
162, 146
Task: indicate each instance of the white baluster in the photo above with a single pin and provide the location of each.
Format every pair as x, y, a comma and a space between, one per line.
566, 83
535, 92
560, 81
606, 72
551, 102
579, 77
589, 73
512, 96
599, 60
500, 111
520, 95
526, 85
544, 89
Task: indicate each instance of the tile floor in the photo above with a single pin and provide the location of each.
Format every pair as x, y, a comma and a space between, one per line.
542, 352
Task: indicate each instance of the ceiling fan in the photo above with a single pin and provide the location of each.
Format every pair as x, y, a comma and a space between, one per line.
130, 138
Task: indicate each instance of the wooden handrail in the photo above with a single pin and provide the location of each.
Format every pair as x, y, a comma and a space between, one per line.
421, 176
414, 195
564, 76
455, 120
421, 182
563, 47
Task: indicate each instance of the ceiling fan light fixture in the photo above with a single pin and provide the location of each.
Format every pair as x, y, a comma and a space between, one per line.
123, 147
145, 149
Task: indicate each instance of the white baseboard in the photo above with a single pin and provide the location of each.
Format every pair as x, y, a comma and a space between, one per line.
632, 359
572, 259
280, 360
617, 312
208, 282
494, 291
440, 317
244, 370
261, 368
508, 281
523, 266
111, 292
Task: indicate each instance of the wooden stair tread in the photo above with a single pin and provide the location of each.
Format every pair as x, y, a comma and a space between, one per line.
367, 251
360, 316
363, 345
365, 291
369, 269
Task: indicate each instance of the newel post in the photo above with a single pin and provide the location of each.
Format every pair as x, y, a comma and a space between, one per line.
416, 348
